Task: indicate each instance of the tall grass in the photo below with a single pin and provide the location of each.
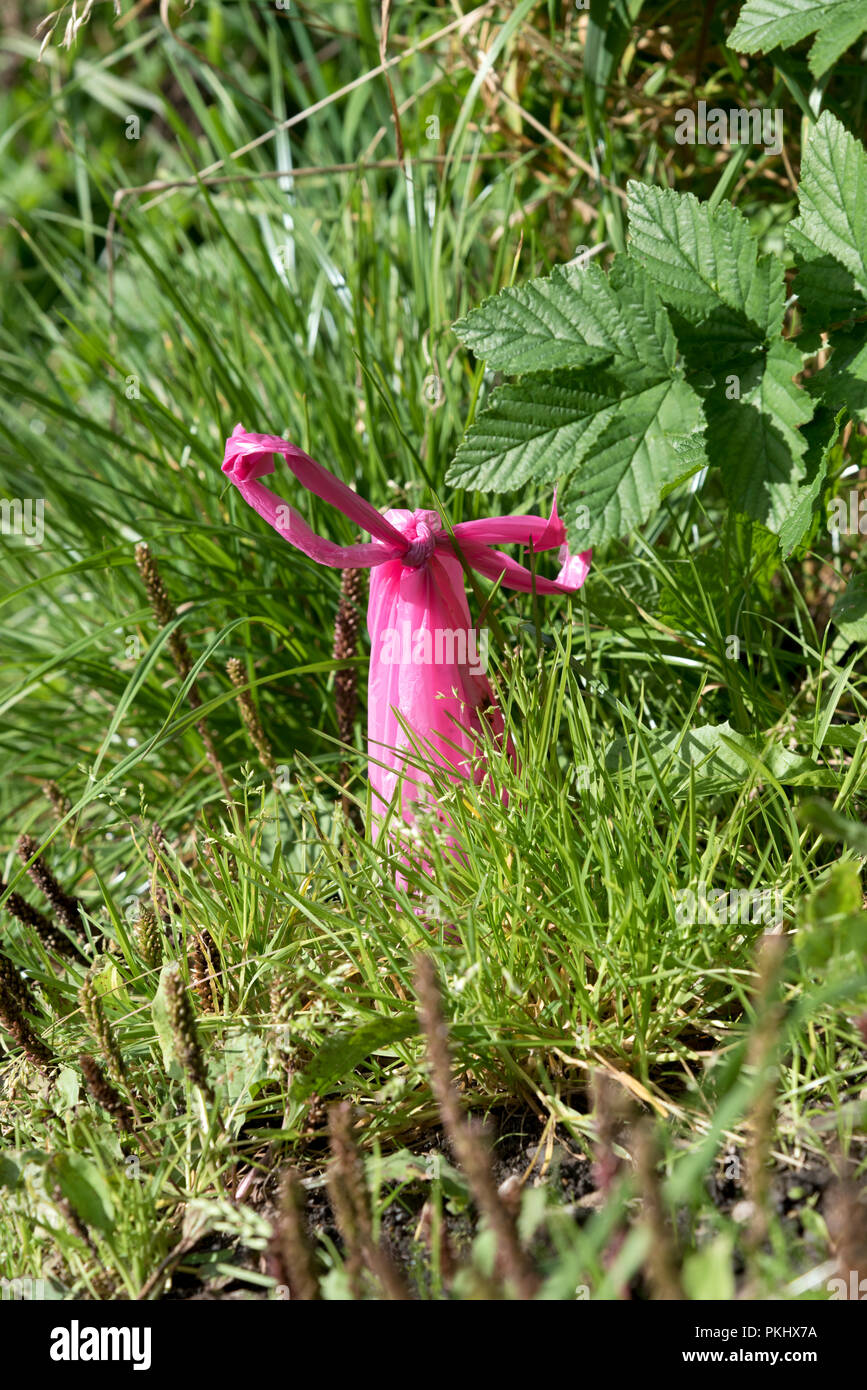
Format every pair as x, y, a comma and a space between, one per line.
317, 305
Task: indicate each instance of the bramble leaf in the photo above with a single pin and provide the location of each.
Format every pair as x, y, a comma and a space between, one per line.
829, 235
803, 511
706, 266
572, 318
610, 429
756, 440
844, 25
766, 24
675, 361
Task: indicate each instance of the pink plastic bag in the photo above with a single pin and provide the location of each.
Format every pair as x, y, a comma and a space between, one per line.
428, 691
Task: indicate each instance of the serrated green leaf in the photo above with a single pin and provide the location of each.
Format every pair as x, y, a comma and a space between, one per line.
621, 434
800, 518
635, 460
843, 26
572, 318
535, 429
755, 440
766, 24
706, 266
832, 218
691, 451
614, 439
827, 292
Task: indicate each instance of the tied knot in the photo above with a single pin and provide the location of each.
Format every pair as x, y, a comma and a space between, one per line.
421, 548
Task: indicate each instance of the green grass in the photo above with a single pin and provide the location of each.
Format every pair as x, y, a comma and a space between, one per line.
556, 935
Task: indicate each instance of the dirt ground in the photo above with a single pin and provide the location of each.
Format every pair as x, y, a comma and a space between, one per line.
519, 1157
